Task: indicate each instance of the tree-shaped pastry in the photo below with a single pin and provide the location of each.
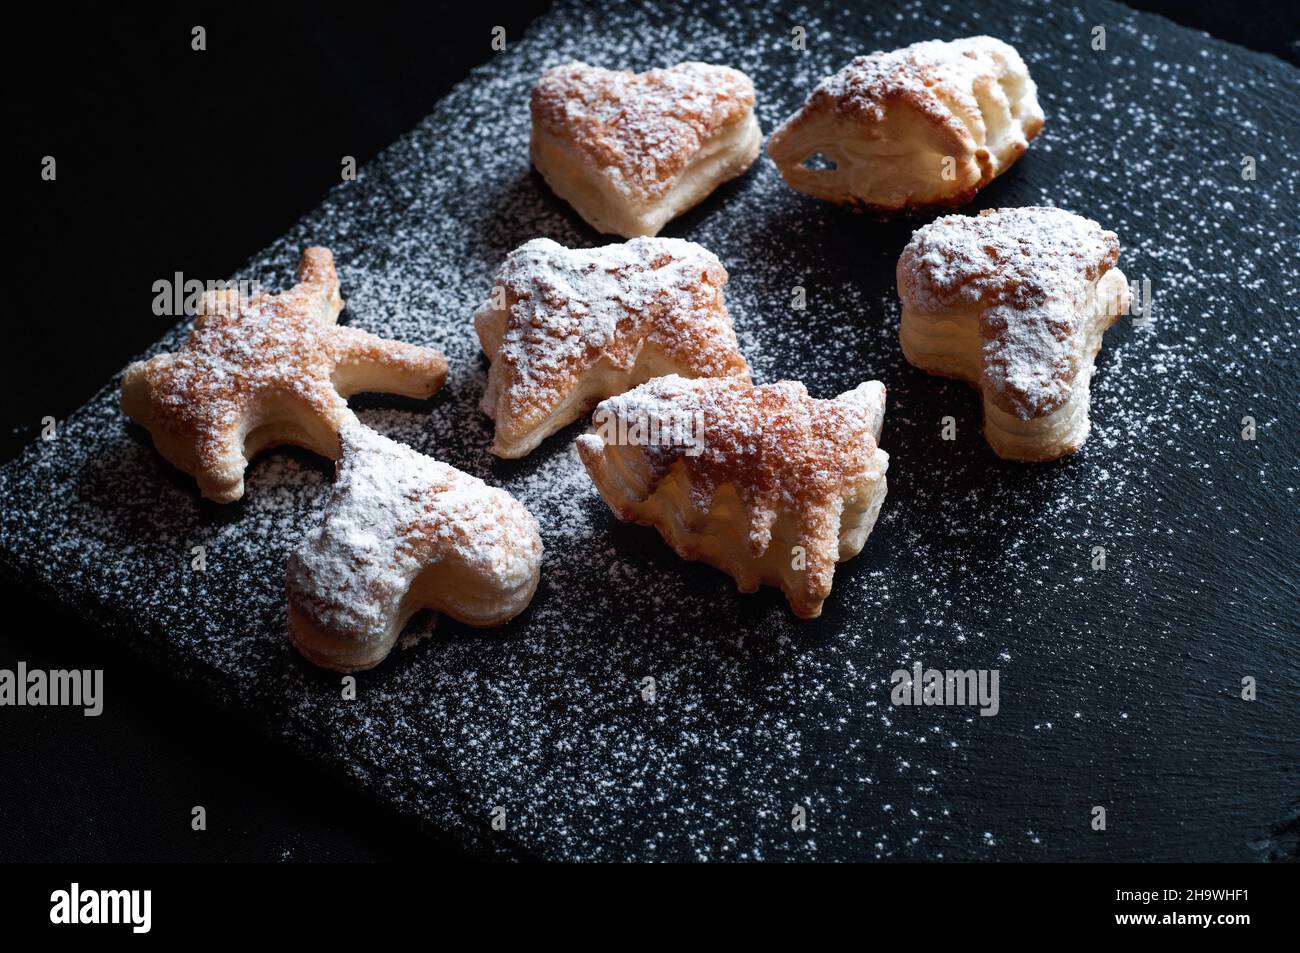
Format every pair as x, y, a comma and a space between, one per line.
766, 483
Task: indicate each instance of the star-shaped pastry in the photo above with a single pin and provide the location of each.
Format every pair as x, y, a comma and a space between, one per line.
766, 483
403, 532
630, 151
1014, 301
565, 328
267, 370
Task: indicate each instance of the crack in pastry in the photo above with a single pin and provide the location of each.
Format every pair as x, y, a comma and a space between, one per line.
631, 151
267, 370
403, 532
1014, 301
927, 125
763, 482
575, 326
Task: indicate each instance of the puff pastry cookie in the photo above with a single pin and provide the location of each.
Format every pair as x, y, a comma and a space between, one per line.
267, 370
403, 532
765, 483
630, 151
927, 125
1015, 302
565, 328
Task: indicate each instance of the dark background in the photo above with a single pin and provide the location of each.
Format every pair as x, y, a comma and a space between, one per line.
171, 160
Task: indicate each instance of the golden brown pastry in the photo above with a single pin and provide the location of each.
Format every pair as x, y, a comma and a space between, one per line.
403, 532
267, 370
630, 151
565, 328
927, 125
1015, 302
766, 483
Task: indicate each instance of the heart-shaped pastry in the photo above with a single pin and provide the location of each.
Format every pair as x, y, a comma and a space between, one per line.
631, 151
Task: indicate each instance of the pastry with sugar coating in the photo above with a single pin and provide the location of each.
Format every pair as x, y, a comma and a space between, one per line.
565, 328
403, 532
267, 370
925, 126
1015, 302
764, 482
631, 151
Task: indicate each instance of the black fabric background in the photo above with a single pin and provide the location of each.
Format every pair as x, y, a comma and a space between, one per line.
171, 160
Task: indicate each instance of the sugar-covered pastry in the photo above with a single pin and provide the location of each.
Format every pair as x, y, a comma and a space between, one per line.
766, 483
267, 370
1015, 302
630, 151
565, 328
927, 125
403, 532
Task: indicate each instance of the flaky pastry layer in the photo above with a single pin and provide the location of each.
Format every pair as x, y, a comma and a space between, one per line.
920, 127
774, 488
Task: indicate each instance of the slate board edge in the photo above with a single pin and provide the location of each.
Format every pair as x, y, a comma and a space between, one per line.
185, 669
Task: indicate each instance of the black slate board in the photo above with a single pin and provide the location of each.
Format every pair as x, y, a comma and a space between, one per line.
1118, 688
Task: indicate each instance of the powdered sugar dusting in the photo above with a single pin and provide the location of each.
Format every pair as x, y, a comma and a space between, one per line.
269, 343
245, 355
931, 75
640, 130
776, 445
1029, 270
569, 308
782, 451
392, 512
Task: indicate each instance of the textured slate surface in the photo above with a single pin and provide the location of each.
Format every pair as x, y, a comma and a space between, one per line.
1118, 688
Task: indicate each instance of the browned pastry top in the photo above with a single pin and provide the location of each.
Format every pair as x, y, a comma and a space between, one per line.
640, 129
930, 77
283, 346
782, 450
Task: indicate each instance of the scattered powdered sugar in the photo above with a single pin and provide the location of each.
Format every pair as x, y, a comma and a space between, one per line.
975, 562
1029, 270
